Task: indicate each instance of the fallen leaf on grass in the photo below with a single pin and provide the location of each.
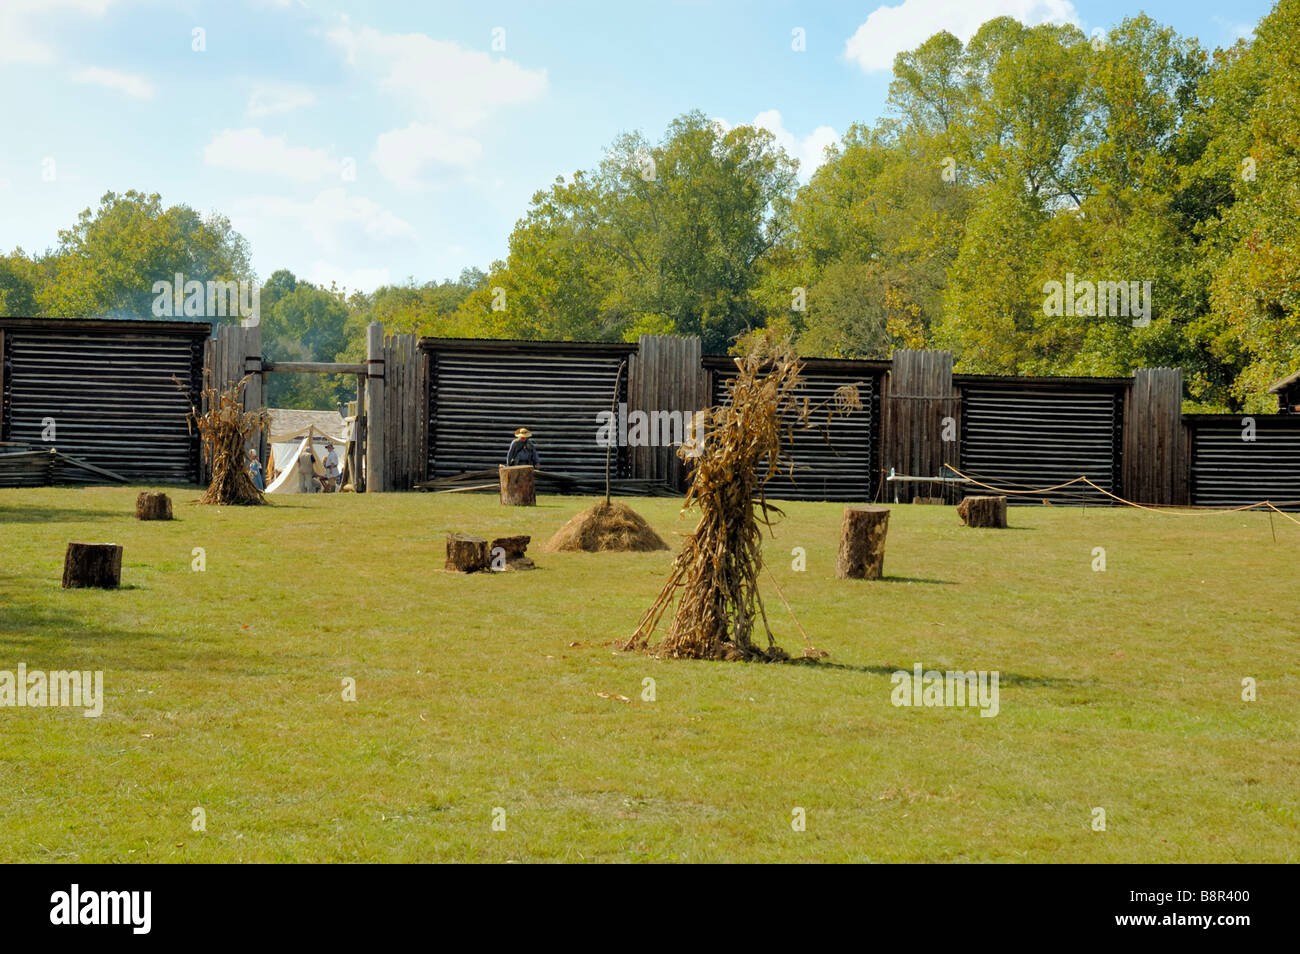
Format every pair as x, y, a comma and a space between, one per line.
607, 695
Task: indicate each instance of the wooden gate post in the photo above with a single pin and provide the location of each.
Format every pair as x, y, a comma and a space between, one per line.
250, 364
917, 438
376, 471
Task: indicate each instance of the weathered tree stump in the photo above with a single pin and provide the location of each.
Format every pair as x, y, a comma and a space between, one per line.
517, 486
153, 507
513, 549
466, 553
983, 511
862, 543
92, 564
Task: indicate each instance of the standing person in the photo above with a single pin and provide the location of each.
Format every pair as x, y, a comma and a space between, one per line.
522, 450
255, 470
331, 469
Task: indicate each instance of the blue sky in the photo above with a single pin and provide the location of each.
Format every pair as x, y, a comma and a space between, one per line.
369, 142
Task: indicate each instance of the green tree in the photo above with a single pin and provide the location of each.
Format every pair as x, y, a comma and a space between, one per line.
882, 218
1253, 256
991, 304
303, 322
19, 280
667, 237
107, 264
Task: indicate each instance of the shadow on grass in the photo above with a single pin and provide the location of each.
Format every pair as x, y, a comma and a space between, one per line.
42, 630
52, 639
1004, 678
58, 515
913, 579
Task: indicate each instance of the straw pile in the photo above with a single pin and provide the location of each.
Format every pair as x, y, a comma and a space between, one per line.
714, 580
225, 428
608, 526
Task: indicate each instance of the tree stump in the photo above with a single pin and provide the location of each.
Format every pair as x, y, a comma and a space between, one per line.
862, 543
153, 507
92, 564
513, 549
983, 511
517, 486
467, 554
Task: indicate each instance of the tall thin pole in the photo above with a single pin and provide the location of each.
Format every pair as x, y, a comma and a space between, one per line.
613, 426
376, 472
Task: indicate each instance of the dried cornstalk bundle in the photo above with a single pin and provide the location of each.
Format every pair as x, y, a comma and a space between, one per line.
225, 429
714, 580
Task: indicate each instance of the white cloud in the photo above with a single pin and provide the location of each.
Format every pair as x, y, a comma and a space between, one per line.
251, 150
401, 153
268, 99
353, 279
1234, 29
439, 79
129, 83
20, 40
890, 30
809, 150
333, 220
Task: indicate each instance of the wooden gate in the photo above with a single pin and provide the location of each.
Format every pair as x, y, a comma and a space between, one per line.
920, 425
233, 352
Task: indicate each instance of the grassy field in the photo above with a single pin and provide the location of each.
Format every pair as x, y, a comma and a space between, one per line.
1120, 690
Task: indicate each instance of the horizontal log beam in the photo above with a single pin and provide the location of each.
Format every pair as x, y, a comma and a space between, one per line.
313, 367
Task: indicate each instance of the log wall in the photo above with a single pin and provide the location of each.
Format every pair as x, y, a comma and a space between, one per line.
107, 389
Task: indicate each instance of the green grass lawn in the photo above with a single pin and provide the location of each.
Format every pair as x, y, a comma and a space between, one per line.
1120, 690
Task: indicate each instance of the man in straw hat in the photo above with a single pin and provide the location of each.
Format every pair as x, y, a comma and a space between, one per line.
522, 450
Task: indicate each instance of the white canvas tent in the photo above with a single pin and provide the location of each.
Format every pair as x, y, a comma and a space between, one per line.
298, 457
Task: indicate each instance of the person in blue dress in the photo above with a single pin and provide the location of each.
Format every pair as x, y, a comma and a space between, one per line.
255, 470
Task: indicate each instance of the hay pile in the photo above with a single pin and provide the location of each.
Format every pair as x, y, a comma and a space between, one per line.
608, 526
225, 428
714, 580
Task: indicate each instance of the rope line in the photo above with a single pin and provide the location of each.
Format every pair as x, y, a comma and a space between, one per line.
1201, 512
